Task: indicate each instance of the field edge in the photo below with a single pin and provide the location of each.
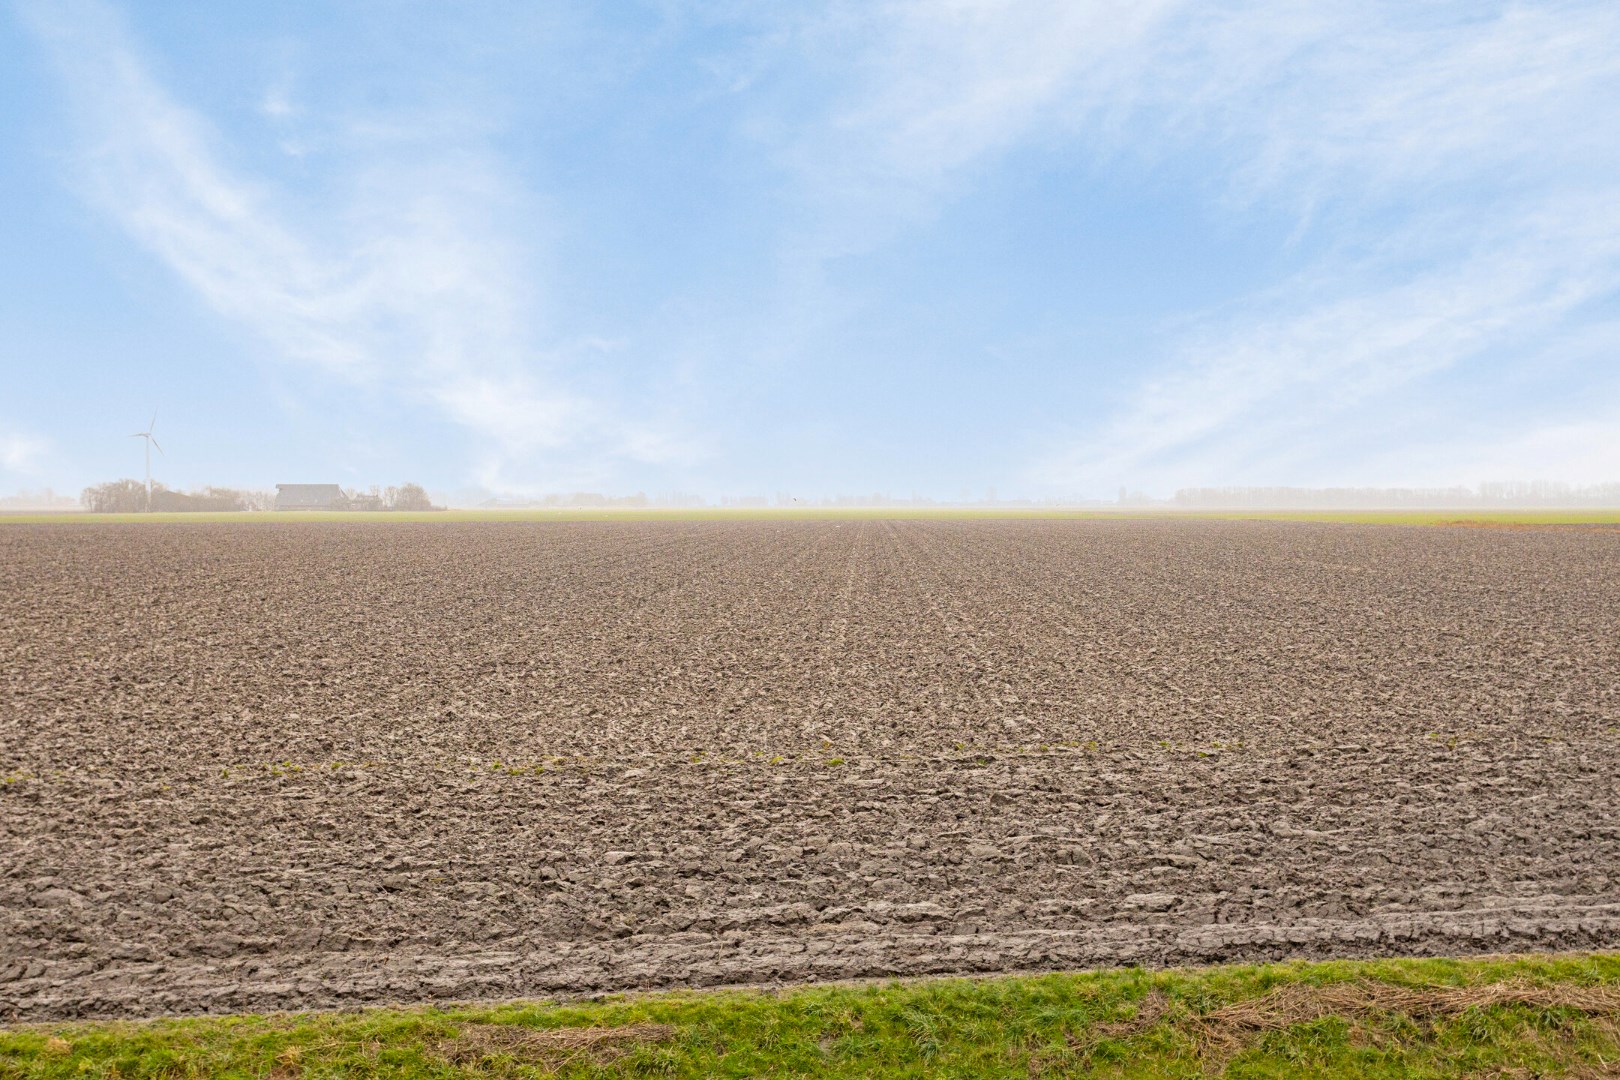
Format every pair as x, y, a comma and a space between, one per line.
1452, 517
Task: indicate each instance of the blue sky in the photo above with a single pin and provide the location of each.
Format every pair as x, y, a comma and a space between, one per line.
1049, 247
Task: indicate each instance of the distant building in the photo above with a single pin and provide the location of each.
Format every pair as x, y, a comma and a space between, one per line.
310, 497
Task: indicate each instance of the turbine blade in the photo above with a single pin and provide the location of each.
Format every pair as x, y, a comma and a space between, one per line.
153, 422
155, 443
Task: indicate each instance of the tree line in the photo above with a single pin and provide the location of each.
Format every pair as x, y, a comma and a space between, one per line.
403, 497
130, 497
1499, 493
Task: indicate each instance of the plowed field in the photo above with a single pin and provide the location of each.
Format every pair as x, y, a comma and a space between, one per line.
299, 765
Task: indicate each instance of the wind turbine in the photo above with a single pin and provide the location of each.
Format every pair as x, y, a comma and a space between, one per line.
150, 442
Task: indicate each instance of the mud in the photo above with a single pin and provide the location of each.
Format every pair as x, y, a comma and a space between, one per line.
290, 766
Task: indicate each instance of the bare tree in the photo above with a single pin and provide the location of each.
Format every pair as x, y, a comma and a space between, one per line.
115, 497
131, 496
407, 497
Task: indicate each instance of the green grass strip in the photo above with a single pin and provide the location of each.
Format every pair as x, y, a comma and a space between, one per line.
1494, 1017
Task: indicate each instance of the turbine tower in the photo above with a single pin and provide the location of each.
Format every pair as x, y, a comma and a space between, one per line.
150, 442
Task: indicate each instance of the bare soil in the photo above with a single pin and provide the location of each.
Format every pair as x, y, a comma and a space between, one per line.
285, 766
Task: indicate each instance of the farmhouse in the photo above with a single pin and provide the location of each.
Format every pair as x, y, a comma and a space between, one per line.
310, 497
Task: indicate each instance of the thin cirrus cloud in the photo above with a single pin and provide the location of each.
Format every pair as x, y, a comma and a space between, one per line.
21, 452
1468, 170
1297, 382
935, 89
412, 291
1456, 165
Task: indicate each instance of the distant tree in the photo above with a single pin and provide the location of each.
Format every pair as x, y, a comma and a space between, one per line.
129, 496
115, 497
208, 499
407, 497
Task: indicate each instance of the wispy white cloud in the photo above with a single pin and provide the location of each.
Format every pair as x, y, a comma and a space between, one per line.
929, 90
277, 103
1459, 162
1580, 451
1474, 143
22, 452
412, 285
1280, 389
1349, 100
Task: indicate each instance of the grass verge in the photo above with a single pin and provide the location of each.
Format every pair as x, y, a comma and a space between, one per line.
1489, 1017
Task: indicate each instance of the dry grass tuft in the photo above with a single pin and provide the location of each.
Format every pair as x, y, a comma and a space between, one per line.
288, 1064
552, 1046
1149, 1012
1579, 1072
1224, 1031
1300, 1003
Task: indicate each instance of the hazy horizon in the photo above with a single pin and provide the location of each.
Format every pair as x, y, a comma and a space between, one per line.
1485, 497
1045, 249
